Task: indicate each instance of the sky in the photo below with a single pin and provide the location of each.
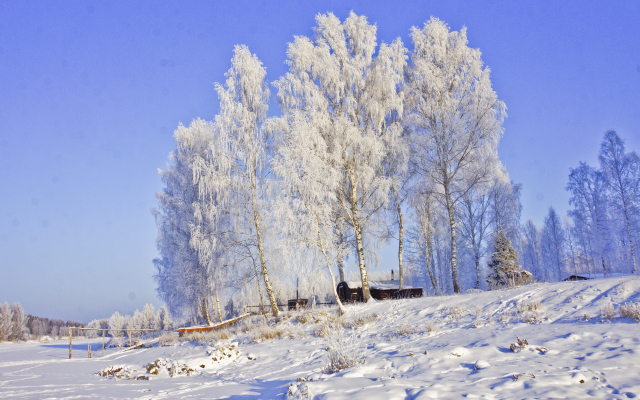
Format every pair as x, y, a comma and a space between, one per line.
91, 92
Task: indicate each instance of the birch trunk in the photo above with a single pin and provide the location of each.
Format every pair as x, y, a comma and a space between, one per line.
340, 259
263, 266
426, 230
205, 311
400, 243
333, 279
355, 215
213, 312
218, 305
454, 245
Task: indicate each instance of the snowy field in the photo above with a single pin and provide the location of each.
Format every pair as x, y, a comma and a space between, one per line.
437, 347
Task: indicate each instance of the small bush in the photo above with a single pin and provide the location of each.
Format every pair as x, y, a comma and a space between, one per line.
344, 350
404, 329
455, 313
630, 310
432, 327
168, 338
608, 312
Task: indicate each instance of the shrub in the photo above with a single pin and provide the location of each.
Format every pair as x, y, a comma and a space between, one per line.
630, 310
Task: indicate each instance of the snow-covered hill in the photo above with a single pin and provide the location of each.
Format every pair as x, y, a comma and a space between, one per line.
578, 346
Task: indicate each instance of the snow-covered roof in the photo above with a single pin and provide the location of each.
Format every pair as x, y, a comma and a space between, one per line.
380, 285
599, 276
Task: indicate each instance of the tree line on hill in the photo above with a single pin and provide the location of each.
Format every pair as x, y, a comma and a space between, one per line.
374, 142
15, 325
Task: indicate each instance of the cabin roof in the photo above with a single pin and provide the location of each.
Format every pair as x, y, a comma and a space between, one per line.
380, 285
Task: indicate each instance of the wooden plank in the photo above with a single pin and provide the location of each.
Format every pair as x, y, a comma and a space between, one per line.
205, 328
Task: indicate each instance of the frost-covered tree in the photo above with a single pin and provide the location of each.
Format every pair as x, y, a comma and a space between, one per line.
236, 167
19, 329
188, 237
309, 197
588, 196
553, 242
532, 247
164, 316
475, 222
503, 265
456, 116
116, 324
6, 321
91, 333
622, 172
421, 234
343, 97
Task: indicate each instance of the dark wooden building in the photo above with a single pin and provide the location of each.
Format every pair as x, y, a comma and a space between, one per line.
351, 291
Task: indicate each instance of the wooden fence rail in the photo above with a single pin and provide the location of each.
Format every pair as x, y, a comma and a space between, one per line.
205, 328
103, 336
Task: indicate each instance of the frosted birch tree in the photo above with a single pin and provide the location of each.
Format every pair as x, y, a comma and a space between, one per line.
622, 171
308, 188
350, 100
587, 188
455, 114
553, 242
423, 207
237, 164
183, 269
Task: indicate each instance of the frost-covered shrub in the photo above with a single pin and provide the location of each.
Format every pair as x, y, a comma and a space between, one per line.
455, 313
404, 329
630, 310
344, 349
608, 312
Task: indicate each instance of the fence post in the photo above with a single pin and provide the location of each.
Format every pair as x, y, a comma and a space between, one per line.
89, 346
102, 343
129, 332
70, 336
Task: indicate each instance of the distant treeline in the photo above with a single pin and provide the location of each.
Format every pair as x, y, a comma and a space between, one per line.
39, 326
14, 325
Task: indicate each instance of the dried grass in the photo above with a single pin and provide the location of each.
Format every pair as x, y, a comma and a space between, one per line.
455, 313
404, 329
608, 312
168, 338
630, 310
344, 350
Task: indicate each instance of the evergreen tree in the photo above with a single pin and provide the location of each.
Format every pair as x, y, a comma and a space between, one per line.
504, 269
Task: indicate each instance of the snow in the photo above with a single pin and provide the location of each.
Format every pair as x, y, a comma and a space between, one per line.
434, 347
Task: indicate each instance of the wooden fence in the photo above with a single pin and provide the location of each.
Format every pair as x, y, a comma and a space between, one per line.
103, 336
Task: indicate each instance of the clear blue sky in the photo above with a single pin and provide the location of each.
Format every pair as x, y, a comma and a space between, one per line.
90, 93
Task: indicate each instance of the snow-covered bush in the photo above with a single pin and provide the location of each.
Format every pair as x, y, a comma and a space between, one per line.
630, 310
344, 349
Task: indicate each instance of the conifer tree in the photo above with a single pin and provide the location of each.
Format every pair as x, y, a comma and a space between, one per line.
503, 267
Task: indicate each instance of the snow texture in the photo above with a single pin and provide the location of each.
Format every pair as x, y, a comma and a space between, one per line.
433, 347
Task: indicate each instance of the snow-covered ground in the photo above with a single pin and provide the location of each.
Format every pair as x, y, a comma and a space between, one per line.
436, 347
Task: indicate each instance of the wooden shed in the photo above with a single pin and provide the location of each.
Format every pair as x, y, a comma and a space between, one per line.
350, 291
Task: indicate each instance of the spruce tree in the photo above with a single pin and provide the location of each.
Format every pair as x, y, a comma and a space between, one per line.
504, 269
